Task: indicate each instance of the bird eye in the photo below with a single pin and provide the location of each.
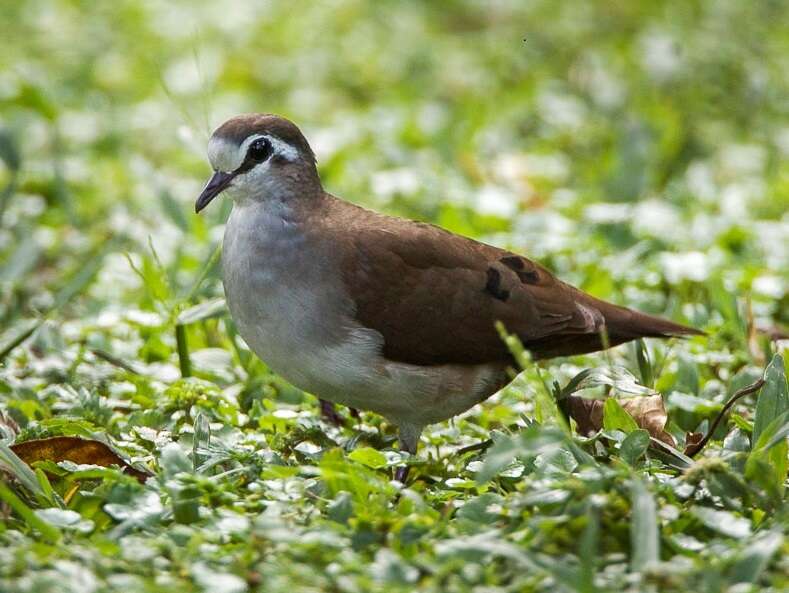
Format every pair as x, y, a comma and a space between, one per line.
259, 150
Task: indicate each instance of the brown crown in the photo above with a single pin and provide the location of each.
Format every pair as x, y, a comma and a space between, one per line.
240, 127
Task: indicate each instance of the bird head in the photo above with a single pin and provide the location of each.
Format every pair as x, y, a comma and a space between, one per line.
257, 156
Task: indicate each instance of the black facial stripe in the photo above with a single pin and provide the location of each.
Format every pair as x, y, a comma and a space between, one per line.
245, 166
258, 151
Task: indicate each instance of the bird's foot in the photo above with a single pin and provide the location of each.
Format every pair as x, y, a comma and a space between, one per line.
329, 414
409, 439
401, 474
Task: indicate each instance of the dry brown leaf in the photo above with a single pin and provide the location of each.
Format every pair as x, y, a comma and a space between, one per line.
76, 450
648, 411
692, 441
587, 413
650, 414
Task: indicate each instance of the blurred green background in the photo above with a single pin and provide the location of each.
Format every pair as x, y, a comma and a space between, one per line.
638, 149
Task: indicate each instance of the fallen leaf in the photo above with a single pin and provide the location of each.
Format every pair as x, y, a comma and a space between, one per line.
587, 413
76, 450
648, 411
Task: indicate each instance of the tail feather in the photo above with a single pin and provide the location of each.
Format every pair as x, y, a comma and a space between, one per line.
630, 324
619, 325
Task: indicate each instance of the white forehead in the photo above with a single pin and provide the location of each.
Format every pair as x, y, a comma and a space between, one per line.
227, 156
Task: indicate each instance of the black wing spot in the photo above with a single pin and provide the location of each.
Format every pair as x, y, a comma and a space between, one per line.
530, 277
493, 285
517, 265
513, 262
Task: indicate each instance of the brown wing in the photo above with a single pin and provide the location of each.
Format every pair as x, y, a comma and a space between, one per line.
435, 297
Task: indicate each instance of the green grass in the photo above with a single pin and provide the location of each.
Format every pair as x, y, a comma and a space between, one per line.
639, 150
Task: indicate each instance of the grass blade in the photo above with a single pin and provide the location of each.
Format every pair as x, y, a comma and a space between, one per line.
644, 531
184, 362
47, 530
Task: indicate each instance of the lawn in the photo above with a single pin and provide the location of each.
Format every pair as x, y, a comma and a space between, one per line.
639, 150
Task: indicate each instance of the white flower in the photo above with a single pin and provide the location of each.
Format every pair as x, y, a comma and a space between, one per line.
768, 285
657, 218
402, 181
497, 201
660, 55
607, 212
691, 265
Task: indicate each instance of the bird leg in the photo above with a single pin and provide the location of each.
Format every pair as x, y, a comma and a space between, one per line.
409, 441
401, 474
329, 413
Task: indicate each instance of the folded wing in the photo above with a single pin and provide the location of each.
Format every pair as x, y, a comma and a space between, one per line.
435, 298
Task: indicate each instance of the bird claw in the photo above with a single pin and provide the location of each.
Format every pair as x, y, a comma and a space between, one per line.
401, 474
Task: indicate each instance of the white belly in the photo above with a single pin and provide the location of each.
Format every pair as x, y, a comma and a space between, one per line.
292, 311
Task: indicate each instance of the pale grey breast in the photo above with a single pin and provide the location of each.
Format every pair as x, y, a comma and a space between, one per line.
287, 301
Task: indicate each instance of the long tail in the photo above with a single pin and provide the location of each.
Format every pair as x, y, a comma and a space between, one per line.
620, 325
